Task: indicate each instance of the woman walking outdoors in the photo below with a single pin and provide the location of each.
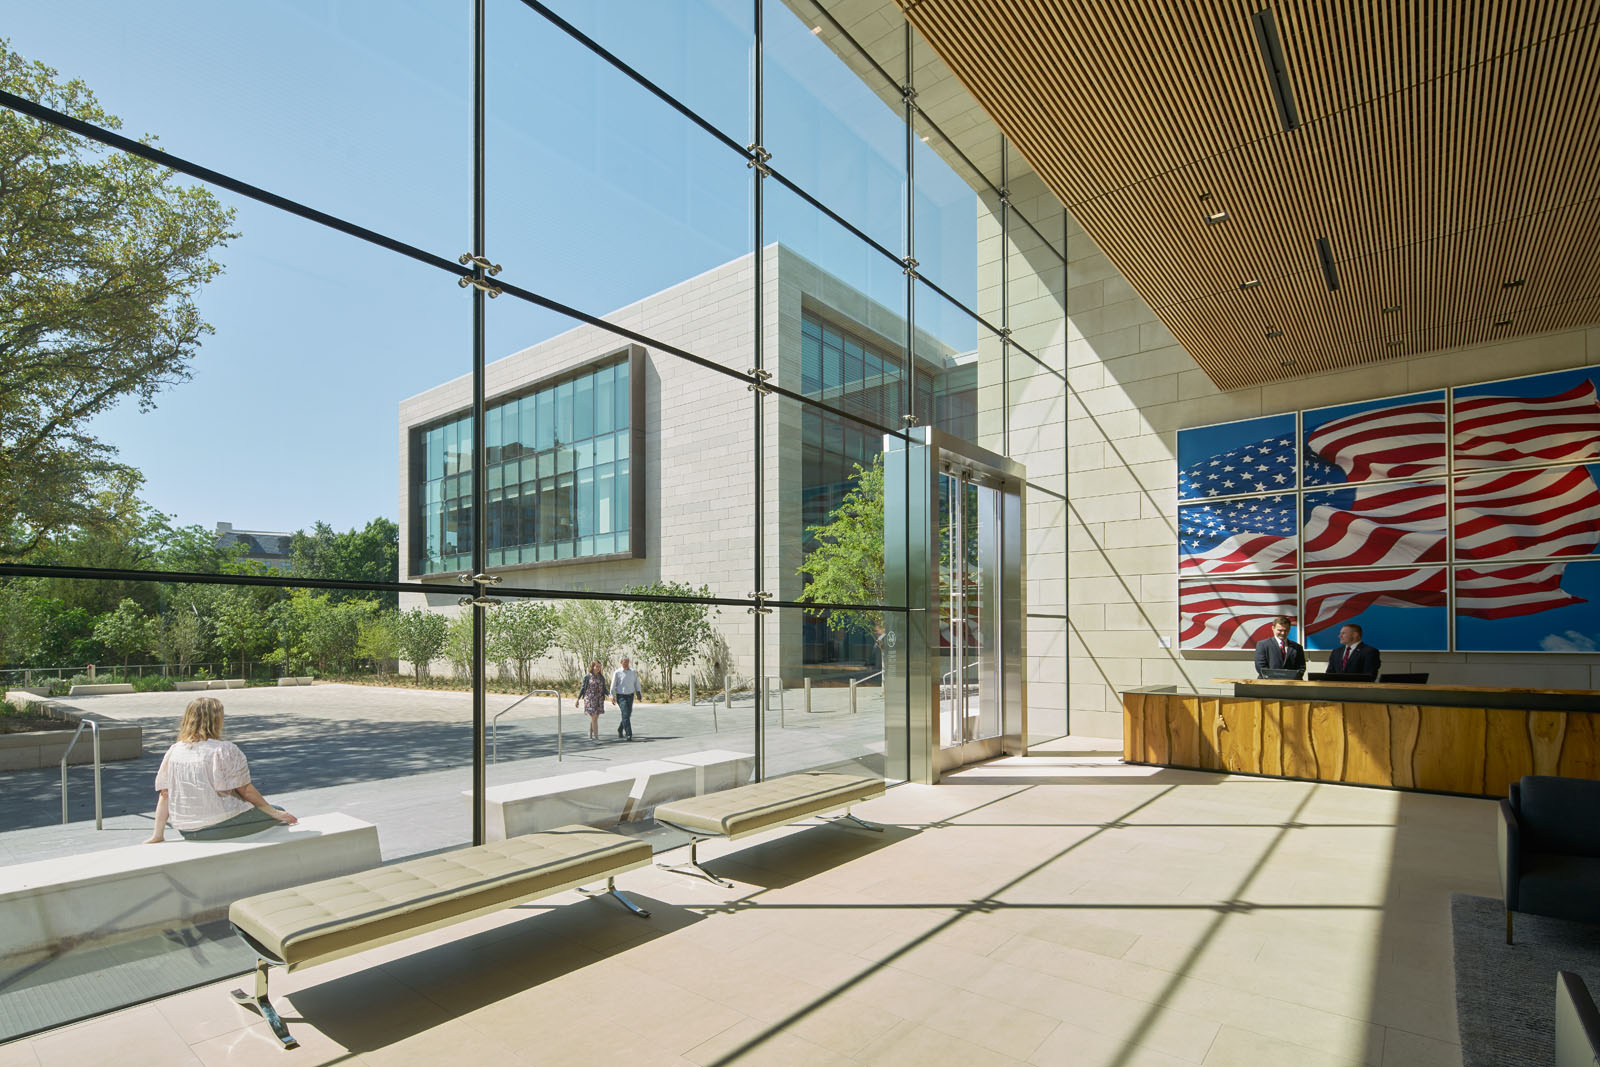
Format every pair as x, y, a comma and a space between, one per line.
592, 695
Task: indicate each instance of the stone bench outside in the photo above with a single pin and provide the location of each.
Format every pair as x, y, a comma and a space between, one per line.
719, 768
652, 782
43, 748
191, 686
118, 893
295, 680
589, 798
99, 689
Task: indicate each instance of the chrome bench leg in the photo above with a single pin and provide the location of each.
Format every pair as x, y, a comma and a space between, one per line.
693, 866
852, 817
611, 889
260, 1003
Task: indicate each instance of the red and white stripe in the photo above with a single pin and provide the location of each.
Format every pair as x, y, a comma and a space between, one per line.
1232, 614
1332, 598
1241, 553
1510, 591
1492, 430
1527, 513
1403, 441
1385, 526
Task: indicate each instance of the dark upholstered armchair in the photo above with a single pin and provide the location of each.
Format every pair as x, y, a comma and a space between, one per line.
1550, 849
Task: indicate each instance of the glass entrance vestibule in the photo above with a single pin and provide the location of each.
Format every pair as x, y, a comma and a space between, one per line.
953, 537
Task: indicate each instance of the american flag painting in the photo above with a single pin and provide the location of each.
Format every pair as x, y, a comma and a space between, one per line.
1550, 512
1546, 418
1538, 606
1384, 525
1233, 612
1340, 597
1237, 536
1400, 438
1237, 458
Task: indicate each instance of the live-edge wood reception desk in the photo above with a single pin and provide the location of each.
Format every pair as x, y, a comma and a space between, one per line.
1452, 739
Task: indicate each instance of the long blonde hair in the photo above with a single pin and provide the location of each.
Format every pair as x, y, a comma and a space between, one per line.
202, 721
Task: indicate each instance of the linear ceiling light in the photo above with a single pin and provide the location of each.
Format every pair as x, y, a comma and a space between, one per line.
1277, 67
1330, 273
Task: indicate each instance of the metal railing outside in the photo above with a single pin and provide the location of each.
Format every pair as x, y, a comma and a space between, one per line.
857, 681
776, 678
494, 723
94, 731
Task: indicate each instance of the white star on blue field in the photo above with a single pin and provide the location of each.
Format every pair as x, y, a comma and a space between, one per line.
1265, 466
1202, 527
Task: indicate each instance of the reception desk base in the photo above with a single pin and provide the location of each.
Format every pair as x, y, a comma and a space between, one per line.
1434, 747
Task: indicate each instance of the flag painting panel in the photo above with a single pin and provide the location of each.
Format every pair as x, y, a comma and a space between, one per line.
1397, 597
1226, 612
1529, 607
1237, 458
1245, 536
1400, 437
1387, 524
1543, 418
1548, 512
1404, 609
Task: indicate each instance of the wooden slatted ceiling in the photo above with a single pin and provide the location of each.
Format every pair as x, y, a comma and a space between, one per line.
1444, 150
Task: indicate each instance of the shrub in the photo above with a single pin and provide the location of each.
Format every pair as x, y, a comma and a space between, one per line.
153, 683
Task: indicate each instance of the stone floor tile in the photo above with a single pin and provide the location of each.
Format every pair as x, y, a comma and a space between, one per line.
1404, 1049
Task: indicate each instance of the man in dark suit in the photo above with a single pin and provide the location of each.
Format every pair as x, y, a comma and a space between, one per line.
1354, 656
1277, 651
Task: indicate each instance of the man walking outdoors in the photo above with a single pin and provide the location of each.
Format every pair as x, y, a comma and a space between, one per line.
624, 687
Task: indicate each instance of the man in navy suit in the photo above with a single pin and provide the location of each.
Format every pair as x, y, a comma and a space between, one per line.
1277, 651
1354, 656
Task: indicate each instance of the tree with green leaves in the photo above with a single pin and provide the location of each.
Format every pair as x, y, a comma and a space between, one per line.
589, 630
180, 637
520, 633
668, 633
125, 631
242, 617
103, 255
844, 564
421, 634
458, 644
378, 641
371, 554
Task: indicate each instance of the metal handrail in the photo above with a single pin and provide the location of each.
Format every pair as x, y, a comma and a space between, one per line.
857, 681
94, 732
494, 723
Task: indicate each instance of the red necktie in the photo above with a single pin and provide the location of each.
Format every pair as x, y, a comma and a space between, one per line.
1283, 650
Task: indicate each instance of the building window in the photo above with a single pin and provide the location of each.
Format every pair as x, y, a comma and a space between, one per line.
560, 462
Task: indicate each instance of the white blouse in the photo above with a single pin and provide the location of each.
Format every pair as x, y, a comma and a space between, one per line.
199, 778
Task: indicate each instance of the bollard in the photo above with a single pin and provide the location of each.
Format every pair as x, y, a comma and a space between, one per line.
852, 696
691, 691
91, 672
807, 682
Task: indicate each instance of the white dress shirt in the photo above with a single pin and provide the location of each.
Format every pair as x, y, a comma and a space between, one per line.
624, 682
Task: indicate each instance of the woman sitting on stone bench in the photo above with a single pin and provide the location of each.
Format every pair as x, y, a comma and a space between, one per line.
204, 783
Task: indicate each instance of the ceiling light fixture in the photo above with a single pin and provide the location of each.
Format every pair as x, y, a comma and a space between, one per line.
816, 29
1274, 333
1288, 363
1395, 342
1503, 322
1216, 217
1271, 45
1391, 309
1330, 273
1251, 284
1515, 283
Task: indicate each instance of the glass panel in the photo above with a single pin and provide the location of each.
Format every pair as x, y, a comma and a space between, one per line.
835, 126
699, 51
957, 210
612, 199
958, 372
317, 103
835, 725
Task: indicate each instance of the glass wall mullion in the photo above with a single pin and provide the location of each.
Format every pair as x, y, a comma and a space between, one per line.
480, 465
758, 397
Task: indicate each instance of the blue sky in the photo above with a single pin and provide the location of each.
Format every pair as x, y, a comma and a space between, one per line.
598, 195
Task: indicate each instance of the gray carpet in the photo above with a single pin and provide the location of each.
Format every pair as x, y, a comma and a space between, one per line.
1506, 994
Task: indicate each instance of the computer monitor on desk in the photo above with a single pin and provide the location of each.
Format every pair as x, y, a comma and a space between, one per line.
1280, 672
1336, 676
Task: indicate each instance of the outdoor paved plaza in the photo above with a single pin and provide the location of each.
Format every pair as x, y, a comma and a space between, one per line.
400, 758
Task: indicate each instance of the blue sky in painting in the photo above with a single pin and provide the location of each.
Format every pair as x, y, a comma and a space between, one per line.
1575, 628
1415, 629
1199, 446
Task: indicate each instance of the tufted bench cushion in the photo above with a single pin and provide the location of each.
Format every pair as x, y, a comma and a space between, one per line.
327, 919
750, 808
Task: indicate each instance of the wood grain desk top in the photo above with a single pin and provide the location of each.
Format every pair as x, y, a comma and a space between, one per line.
1429, 687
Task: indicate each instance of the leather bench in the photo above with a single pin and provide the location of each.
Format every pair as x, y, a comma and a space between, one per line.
749, 809
321, 921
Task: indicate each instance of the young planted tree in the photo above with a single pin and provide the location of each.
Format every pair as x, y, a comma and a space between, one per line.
181, 637
845, 562
458, 644
103, 254
668, 633
589, 630
242, 618
125, 631
421, 635
520, 633
379, 641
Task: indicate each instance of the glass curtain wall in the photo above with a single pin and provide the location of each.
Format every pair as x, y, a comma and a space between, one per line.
668, 275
